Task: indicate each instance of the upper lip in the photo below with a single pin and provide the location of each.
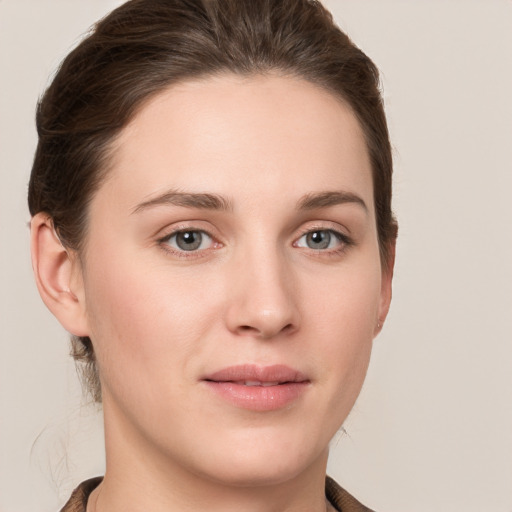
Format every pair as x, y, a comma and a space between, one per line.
251, 372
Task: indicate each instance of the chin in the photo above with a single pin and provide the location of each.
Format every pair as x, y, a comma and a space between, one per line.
264, 460
267, 473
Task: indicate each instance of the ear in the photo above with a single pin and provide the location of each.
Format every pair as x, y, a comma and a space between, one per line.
386, 288
58, 276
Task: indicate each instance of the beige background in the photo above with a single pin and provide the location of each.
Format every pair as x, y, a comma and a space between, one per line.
432, 430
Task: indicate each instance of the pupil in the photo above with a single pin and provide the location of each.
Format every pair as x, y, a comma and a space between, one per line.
188, 240
317, 237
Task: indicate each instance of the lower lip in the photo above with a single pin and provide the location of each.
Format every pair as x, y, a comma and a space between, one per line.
259, 398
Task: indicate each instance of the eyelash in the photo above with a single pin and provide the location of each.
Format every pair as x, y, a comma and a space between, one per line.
163, 242
345, 242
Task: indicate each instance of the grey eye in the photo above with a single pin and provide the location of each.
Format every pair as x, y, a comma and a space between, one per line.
192, 240
320, 239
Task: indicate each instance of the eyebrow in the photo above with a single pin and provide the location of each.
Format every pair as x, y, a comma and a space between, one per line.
202, 201
318, 200
207, 201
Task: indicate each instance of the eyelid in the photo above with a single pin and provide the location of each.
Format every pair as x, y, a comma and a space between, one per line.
185, 225
324, 226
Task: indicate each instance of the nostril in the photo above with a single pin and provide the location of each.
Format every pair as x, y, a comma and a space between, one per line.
247, 328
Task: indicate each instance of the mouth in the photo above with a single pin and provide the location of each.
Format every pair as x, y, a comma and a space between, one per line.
258, 388
257, 383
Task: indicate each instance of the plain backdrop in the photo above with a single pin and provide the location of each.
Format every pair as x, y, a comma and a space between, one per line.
432, 429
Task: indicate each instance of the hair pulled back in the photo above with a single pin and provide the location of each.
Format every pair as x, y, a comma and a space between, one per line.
145, 46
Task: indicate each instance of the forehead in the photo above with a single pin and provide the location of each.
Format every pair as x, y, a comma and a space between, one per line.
251, 135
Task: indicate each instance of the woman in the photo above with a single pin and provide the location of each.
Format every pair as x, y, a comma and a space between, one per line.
211, 221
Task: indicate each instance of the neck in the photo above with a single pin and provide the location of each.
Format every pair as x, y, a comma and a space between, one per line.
140, 477
114, 496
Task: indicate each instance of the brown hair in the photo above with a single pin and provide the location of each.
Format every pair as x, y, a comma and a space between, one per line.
143, 47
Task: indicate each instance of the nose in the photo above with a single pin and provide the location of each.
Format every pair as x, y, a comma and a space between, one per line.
263, 300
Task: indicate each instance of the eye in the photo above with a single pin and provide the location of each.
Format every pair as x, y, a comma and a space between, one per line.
321, 239
189, 240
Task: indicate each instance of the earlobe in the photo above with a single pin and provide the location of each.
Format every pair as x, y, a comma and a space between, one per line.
58, 276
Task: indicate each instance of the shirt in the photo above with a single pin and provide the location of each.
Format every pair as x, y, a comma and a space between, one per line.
340, 499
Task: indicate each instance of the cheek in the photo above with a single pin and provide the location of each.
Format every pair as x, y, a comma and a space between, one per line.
344, 304
144, 323
346, 317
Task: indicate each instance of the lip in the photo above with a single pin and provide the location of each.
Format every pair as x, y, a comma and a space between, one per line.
258, 388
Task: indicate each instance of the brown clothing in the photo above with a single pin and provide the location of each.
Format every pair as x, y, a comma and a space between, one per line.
340, 499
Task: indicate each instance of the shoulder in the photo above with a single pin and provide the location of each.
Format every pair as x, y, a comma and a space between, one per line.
341, 499
78, 500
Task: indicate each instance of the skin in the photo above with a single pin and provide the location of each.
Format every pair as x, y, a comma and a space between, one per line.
162, 318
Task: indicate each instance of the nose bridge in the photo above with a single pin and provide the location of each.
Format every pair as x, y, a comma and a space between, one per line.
264, 301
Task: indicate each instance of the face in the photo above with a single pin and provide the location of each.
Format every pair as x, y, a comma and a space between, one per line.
232, 278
